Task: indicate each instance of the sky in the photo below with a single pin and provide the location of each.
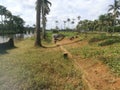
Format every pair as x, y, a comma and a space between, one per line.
60, 10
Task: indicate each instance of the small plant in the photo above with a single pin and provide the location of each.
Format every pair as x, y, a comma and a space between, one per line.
113, 63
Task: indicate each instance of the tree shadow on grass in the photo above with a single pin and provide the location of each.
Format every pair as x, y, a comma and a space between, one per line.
3, 49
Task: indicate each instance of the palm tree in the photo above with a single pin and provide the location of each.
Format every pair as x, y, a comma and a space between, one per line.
102, 20
45, 10
38, 18
96, 24
78, 18
115, 8
56, 24
68, 20
73, 21
64, 25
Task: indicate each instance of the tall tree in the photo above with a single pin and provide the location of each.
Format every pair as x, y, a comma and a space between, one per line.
78, 18
2, 12
56, 24
64, 25
73, 21
38, 18
115, 10
68, 20
45, 6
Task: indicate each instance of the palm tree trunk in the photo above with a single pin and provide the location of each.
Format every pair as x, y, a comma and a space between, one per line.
43, 27
38, 13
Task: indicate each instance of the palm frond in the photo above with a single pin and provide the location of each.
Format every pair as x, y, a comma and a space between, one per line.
111, 8
49, 3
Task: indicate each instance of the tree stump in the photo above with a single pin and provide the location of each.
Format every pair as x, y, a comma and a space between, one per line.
71, 38
65, 55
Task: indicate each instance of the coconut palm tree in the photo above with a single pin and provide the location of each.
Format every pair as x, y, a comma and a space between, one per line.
115, 11
56, 23
68, 20
96, 24
45, 8
38, 18
78, 18
102, 21
64, 25
73, 21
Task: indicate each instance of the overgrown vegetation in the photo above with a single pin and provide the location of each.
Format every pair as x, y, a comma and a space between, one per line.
105, 48
29, 68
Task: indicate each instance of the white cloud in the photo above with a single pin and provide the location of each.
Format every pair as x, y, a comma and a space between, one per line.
60, 10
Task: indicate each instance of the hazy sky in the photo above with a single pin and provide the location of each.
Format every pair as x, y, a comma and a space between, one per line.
60, 10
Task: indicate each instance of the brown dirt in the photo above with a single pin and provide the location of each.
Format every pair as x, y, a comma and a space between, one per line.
95, 74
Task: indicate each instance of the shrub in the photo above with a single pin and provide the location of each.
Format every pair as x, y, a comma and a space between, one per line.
98, 38
109, 42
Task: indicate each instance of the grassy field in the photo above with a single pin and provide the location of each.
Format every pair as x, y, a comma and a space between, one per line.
101, 47
28, 68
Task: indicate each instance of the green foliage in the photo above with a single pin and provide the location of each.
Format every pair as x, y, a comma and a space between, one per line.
113, 62
55, 31
68, 33
110, 41
117, 29
87, 52
98, 38
110, 54
48, 37
11, 23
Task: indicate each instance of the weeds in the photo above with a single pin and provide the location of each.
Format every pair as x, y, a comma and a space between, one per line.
32, 68
113, 62
110, 54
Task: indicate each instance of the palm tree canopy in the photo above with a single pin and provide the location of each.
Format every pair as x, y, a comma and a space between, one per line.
44, 4
78, 17
68, 19
115, 7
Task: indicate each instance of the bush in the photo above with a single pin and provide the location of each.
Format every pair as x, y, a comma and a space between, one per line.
110, 41
55, 31
98, 38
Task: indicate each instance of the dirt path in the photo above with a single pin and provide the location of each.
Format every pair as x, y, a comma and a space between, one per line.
96, 75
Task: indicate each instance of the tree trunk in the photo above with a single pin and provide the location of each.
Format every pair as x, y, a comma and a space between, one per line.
38, 13
44, 28
43, 23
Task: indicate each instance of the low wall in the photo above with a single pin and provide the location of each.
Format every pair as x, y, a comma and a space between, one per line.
9, 44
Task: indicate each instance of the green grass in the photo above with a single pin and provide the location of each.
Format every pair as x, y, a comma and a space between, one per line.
69, 33
100, 47
30, 68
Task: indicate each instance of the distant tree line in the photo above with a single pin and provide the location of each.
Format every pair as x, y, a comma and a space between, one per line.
10, 23
108, 22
